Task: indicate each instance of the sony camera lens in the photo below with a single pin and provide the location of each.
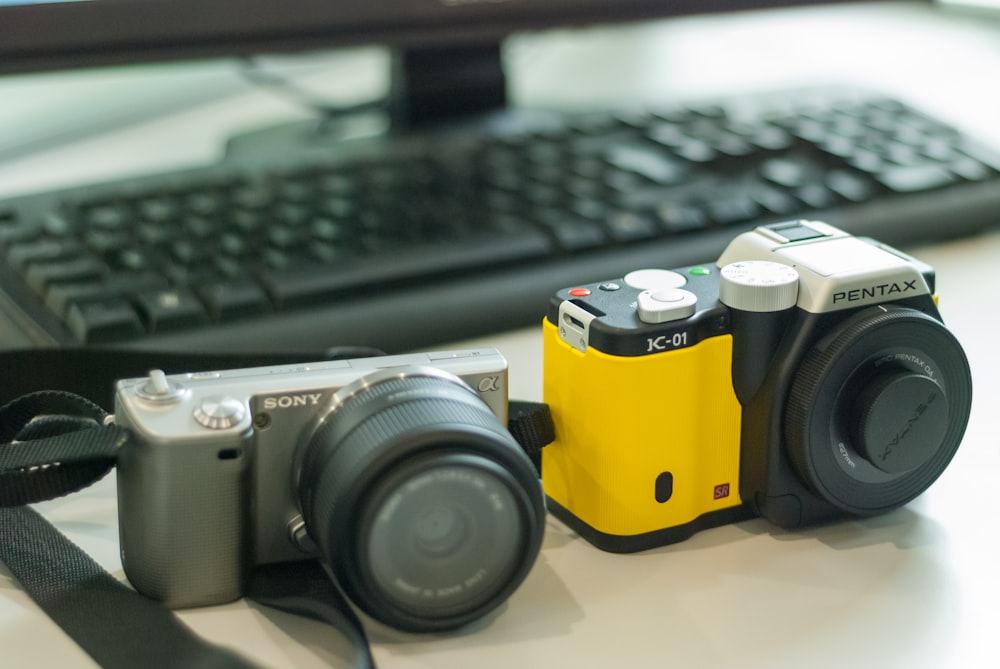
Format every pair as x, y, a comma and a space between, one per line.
426, 509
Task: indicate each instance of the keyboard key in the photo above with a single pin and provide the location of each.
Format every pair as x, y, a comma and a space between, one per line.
696, 151
774, 200
252, 197
681, 218
984, 154
158, 209
205, 203
103, 321
103, 242
732, 145
107, 217
670, 135
850, 186
571, 232
650, 164
232, 299
14, 230
42, 275
731, 209
62, 296
970, 169
627, 226
915, 178
771, 138
816, 196
57, 224
866, 161
784, 172
170, 309
22, 254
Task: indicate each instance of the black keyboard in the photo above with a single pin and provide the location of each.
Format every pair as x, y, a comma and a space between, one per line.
404, 242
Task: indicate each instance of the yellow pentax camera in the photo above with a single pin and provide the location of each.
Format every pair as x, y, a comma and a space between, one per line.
805, 376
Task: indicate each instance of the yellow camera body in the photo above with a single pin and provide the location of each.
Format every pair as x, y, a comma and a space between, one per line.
655, 444
804, 377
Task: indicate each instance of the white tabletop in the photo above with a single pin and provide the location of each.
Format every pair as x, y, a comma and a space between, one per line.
917, 587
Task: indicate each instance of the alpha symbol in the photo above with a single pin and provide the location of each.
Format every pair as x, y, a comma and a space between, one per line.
489, 383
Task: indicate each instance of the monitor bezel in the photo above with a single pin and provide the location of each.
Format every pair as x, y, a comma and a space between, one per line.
87, 33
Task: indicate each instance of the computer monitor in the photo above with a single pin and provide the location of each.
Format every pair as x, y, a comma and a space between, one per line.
447, 62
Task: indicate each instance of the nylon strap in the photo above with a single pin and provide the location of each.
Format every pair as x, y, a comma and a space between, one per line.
116, 626
58, 451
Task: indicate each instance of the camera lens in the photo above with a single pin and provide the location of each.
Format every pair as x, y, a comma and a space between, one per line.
443, 534
426, 509
878, 408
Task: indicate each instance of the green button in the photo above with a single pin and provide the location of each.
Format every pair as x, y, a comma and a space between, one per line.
700, 271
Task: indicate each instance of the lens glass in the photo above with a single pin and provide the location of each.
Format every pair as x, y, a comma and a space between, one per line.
443, 536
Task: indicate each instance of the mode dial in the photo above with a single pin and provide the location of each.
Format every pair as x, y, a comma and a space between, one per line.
758, 285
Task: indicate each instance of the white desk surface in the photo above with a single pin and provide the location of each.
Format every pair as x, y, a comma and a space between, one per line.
918, 587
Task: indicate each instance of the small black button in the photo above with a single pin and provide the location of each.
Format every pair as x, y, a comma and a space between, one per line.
664, 488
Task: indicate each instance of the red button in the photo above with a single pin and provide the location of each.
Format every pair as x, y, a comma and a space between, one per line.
579, 292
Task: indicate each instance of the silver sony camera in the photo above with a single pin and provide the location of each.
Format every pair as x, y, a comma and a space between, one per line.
398, 472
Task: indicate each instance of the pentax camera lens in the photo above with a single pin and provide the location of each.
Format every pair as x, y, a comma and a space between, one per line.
427, 511
878, 409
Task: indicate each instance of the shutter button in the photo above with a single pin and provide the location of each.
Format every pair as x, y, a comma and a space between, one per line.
664, 305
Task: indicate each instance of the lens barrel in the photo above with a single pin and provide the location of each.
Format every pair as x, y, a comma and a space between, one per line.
426, 509
878, 409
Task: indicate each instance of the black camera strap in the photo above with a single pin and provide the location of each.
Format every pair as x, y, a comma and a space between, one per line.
53, 443
115, 625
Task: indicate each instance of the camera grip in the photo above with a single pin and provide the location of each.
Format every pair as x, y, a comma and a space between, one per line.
184, 519
756, 338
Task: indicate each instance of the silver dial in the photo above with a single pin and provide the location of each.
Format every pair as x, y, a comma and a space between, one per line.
758, 285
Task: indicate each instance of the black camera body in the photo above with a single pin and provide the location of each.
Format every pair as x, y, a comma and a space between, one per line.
806, 376
876, 458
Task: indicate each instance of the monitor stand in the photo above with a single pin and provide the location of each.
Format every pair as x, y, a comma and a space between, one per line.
434, 85
430, 88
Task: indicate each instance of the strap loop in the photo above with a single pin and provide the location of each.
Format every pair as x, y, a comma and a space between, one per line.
51, 444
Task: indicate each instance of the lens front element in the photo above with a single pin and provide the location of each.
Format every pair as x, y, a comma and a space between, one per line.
443, 533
